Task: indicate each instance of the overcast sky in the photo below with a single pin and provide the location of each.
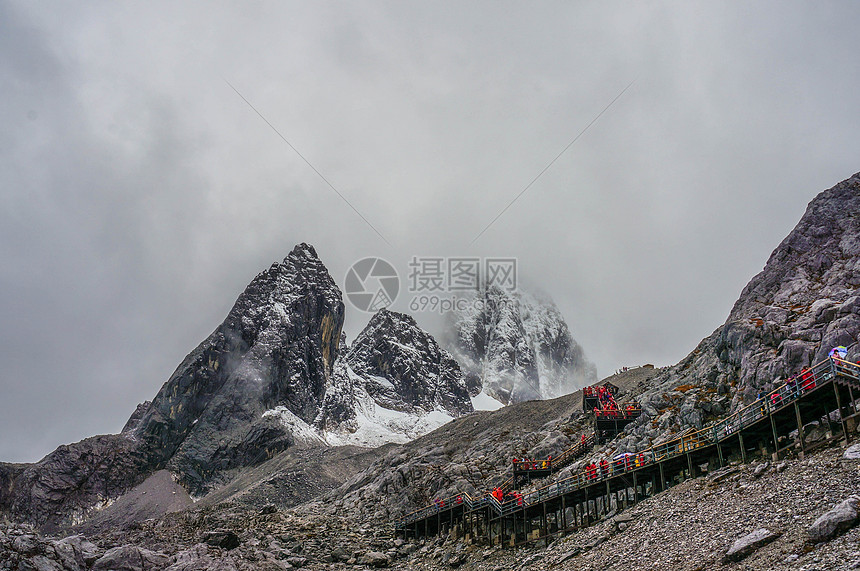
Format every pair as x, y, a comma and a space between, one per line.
140, 193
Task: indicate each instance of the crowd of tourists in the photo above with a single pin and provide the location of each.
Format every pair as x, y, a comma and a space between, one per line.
791, 389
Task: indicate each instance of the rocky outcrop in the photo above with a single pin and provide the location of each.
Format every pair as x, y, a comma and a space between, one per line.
747, 544
518, 347
277, 347
131, 558
134, 420
66, 485
395, 382
804, 302
405, 369
23, 548
842, 516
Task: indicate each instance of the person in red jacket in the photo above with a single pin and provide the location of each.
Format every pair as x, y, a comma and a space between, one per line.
807, 379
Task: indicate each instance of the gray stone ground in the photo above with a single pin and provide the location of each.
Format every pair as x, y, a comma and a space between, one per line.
690, 526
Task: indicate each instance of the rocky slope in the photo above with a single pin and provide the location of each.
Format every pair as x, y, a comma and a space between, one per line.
691, 526
518, 347
804, 302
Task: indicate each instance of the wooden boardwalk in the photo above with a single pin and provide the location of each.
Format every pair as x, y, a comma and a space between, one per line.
764, 427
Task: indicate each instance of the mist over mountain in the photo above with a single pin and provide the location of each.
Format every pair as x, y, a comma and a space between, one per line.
517, 346
255, 420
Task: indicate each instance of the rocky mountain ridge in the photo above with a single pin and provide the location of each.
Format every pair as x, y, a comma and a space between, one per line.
392, 384
802, 304
776, 326
277, 347
517, 347
275, 374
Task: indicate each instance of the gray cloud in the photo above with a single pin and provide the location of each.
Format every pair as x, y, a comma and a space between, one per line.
140, 194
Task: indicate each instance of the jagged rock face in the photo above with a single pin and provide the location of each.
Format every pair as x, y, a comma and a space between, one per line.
277, 347
803, 303
519, 347
338, 411
70, 481
397, 378
405, 368
134, 420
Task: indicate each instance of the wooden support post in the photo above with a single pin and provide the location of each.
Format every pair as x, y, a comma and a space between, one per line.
743, 448
608, 506
545, 530
563, 514
799, 427
690, 464
841, 414
851, 396
635, 490
504, 530
775, 437
585, 518
662, 479
720, 453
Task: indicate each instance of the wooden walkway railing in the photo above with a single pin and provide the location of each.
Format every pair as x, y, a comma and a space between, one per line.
797, 389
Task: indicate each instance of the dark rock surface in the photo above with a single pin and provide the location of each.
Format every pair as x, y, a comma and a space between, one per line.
836, 520
66, 484
277, 347
224, 539
518, 347
131, 558
804, 302
401, 367
747, 544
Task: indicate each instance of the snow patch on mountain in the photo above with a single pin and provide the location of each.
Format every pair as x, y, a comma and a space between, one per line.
377, 425
393, 384
301, 431
483, 401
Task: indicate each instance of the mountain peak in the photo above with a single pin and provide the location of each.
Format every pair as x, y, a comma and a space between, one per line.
302, 251
518, 346
818, 256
